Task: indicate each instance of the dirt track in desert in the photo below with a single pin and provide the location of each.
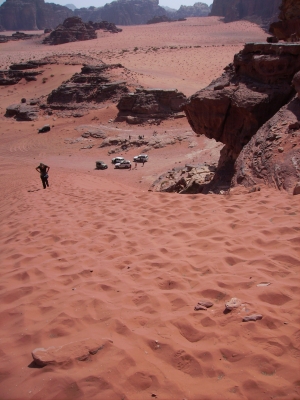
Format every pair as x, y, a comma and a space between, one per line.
98, 261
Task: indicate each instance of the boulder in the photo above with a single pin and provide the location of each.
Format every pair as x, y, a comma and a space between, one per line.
22, 112
190, 179
72, 30
67, 354
151, 103
233, 107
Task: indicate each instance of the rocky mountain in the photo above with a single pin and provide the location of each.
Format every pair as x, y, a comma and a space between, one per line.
32, 14
123, 12
261, 12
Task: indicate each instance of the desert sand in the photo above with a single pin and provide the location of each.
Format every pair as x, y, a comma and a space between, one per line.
98, 261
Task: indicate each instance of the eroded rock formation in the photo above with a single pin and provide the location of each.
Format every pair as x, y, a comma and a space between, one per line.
261, 12
16, 72
72, 30
288, 28
251, 90
147, 104
92, 86
32, 14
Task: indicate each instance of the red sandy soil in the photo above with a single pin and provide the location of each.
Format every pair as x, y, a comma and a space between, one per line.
98, 257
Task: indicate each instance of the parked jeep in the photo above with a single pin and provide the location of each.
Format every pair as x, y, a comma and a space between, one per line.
101, 165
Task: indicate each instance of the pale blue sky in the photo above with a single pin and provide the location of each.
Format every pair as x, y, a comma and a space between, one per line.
99, 3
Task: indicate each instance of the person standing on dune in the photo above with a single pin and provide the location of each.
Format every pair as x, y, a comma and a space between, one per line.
43, 170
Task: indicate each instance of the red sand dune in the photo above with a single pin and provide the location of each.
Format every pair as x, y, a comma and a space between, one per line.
97, 260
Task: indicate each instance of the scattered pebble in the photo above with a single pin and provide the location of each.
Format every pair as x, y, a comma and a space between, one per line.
253, 317
233, 303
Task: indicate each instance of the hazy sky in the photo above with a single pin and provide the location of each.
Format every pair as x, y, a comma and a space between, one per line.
99, 3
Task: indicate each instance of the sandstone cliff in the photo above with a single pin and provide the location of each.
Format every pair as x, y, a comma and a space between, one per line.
261, 12
250, 92
32, 14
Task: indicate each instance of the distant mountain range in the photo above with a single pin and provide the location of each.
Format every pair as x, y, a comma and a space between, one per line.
36, 14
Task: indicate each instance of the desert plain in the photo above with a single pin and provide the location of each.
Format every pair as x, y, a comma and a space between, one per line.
106, 274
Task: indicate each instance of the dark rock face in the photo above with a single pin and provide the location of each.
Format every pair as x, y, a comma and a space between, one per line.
17, 36
273, 155
150, 103
252, 89
123, 12
92, 85
31, 14
261, 12
72, 30
288, 28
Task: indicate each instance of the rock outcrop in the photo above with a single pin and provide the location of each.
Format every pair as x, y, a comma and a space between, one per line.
288, 28
72, 30
147, 104
23, 111
123, 12
261, 12
32, 14
251, 90
106, 26
16, 72
17, 36
94, 85
191, 179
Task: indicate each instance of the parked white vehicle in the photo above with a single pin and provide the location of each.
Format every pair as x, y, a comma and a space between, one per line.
117, 160
140, 158
123, 165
